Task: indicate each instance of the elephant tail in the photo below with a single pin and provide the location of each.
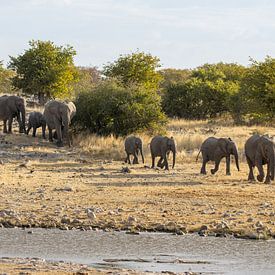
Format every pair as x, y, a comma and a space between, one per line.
198, 155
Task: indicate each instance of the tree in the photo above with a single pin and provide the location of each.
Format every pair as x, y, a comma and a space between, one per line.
5, 79
258, 88
45, 70
88, 77
110, 108
173, 76
137, 68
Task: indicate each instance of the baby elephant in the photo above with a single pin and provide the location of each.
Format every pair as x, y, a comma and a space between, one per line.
259, 150
36, 120
215, 149
160, 147
132, 146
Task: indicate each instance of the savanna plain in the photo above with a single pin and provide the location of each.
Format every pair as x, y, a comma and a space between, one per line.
89, 187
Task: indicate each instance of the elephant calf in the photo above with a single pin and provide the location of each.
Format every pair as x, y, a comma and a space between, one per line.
259, 150
37, 120
215, 149
160, 147
132, 146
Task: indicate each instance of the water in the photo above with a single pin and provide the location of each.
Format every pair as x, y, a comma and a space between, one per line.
146, 252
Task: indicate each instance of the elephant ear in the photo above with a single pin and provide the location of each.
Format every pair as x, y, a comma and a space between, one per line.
223, 145
261, 148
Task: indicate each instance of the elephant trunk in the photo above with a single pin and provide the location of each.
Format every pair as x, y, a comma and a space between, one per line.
236, 158
174, 158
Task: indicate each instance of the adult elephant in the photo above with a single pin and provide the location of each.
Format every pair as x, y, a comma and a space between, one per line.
58, 116
10, 107
259, 150
133, 145
215, 149
160, 147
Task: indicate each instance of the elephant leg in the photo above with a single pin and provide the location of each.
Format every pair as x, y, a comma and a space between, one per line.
50, 135
228, 166
34, 131
44, 131
28, 130
204, 161
10, 125
159, 164
259, 166
135, 161
21, 130
59, 142
165, 163
5, 127
251, 166
153, 162
268, 175
217, 164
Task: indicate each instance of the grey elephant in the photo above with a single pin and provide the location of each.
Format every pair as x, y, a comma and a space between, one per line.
10, 107
58, 116
37, 120
259, 150
133, 145
215, 149
160, 147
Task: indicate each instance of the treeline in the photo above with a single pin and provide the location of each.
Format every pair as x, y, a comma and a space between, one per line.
134, 93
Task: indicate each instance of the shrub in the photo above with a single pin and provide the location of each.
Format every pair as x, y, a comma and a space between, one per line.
110, 108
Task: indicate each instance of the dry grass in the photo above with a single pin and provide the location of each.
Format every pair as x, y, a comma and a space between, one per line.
188, 134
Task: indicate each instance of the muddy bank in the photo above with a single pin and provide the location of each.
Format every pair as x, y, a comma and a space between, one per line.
42, 186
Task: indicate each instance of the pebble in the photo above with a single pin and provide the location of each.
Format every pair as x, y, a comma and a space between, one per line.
125, 170
91, 215
132, 219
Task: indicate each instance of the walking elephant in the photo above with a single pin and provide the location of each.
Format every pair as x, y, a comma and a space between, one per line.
37, 120
10, 107
133, 145
160, 147
215, 149
259, 150
58, 116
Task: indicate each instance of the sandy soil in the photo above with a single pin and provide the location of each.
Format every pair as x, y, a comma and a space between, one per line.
44, 186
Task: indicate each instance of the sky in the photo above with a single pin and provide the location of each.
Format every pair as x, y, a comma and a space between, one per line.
183, 34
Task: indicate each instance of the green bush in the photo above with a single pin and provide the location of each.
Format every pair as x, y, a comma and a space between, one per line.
111, 108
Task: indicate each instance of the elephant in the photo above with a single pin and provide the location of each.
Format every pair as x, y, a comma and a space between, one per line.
259, 150
58, 116
215, 149
36, 120
132, 146
10, 107
160, 147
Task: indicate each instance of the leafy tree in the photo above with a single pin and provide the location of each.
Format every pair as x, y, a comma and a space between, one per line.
137, 68
5, 79
258, 88
173, 76
110, 108
88, 77
45, 70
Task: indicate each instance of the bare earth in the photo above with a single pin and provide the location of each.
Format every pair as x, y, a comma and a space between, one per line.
44, 186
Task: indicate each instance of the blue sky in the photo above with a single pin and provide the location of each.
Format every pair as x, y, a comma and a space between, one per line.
184, 34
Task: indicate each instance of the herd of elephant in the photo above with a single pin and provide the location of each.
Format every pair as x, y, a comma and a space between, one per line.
259, 150
56, 116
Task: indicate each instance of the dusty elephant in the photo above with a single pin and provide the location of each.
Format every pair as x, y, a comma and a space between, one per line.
58, 116
133, 145
215, 149
259, 150
160, 147
10, 107
37, 120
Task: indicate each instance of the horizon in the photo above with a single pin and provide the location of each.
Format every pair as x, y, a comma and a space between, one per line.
183, 35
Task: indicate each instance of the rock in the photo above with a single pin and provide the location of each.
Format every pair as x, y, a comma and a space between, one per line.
125, 170
65, 220
204, 228
250, 219
64, 189
131, 219
1, 162
91, 215
225, 215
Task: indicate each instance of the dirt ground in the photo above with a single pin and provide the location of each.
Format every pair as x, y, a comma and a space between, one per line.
67, 188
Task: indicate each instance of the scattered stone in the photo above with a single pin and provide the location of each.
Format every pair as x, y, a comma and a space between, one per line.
64, 189
1, 162
91, 215
125, 170
250, 219
131, 219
